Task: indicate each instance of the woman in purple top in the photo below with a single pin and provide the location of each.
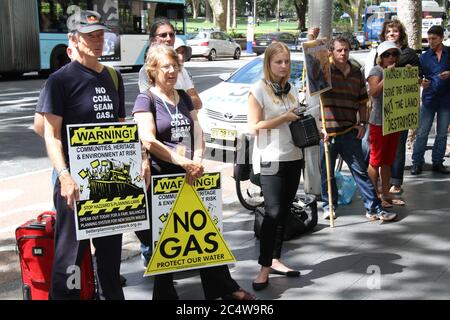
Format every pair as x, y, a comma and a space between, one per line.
168, 128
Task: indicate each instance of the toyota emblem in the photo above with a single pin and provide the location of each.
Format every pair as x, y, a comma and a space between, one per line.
228, 115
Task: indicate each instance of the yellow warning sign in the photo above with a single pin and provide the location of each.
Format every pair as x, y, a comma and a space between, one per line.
190, 238
117, 203
103, 135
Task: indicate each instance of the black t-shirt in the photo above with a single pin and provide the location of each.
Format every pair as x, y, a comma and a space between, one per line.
40, 103
81, 95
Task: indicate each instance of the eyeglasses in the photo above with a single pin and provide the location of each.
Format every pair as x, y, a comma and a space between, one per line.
167, 67
393, 54
165, 34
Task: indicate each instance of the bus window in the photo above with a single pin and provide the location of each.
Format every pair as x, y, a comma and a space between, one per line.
53, 14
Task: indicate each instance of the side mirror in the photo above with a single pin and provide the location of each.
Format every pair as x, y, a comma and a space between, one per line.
224, 76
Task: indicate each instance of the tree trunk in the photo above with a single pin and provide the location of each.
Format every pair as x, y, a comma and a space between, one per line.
319, 14
234, 15
354, 9
300, 9
410, 14
208, 12
195, 8
219, 9
228, 15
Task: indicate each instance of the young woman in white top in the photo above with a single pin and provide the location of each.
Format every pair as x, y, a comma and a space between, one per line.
272, 102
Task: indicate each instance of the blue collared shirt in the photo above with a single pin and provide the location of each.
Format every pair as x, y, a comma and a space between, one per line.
439, 90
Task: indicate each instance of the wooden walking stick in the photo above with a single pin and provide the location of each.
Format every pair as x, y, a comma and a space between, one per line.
327, 163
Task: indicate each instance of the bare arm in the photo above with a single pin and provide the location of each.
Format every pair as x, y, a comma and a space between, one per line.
375, 86
255, 116
52, 134
196, 101
147, 133
38, 125
363, 112
199, 146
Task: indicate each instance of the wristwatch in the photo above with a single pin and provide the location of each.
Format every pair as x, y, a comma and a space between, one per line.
362, 123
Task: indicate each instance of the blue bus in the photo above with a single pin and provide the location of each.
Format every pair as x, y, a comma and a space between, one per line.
374, 16
34, 32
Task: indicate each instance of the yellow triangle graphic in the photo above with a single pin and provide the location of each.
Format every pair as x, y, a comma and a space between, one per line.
190, 239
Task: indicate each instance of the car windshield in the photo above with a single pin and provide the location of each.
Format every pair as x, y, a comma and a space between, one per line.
303, 35
201, 36
252, 72
190, 36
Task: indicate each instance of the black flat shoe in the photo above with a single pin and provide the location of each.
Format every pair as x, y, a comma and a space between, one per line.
260, 285
292, 273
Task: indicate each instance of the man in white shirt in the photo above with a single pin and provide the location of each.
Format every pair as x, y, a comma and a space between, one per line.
162, 31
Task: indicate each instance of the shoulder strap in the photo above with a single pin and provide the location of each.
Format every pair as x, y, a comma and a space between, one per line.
114, 77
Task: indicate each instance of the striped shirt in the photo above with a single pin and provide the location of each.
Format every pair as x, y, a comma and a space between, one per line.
342, 103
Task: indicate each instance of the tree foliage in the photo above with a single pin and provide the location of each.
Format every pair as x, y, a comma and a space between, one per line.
354, 8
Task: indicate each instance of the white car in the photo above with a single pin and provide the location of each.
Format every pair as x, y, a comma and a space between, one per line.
213, 44
223, 116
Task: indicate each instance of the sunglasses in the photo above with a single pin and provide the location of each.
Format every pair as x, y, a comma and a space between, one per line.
165, 34
394, 54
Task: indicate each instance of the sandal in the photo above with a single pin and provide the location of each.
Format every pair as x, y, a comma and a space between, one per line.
388, 202
396, 189
398, 202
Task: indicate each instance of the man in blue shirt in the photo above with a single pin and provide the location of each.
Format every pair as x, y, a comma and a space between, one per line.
435, 64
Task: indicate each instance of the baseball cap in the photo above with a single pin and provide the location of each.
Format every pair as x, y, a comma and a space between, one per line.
385, 46
85, 21
187, 50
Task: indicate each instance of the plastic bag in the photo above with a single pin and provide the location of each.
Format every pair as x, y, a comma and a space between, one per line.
346, 186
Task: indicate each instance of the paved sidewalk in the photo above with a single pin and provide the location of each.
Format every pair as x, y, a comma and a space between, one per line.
358, 259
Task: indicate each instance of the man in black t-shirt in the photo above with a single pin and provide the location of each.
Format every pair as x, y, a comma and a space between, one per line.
70, 99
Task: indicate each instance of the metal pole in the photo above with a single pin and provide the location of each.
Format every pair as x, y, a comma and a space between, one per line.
319, 14
278, 16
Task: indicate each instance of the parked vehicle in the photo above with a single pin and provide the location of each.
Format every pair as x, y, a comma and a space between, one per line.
360, 37
191, 35
212, 44
262, 42
302, 37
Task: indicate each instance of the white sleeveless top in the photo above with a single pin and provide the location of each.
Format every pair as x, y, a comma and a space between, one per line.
273, 145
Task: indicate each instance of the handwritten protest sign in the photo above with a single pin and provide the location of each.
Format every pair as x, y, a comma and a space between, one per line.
401, 98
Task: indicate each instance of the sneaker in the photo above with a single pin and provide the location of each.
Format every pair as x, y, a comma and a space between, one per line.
326, 215
382, 215
372, 216
386, 215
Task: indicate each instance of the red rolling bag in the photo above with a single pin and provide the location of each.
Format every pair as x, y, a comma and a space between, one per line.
35, 243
